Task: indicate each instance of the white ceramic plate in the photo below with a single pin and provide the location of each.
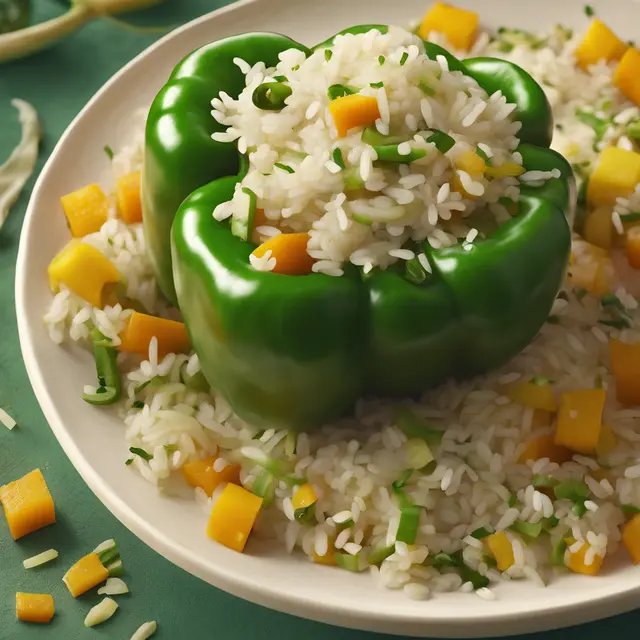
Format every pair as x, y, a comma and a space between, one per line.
93, 439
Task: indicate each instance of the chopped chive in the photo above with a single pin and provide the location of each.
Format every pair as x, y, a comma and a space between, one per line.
573, 490
484, 156
609, 300
404, 58
529, 529
474, 577
557, 553
402, 482
444, 560
634, 216
629, 509
426, 88
109, 151
264, 487
340, 90
579, 509
376, 85
280, 78
441, 140
284, 167
129, 461
550, 523
480, 533
337, 157
381, 553
140, 452
540, 481
540, 381
328, 54
305, 514
633, 130
591, 120
381, 60
415, 427
409, 521
137, 405
271, 96
170, 448
620, 323
512, 501
588, 11
349, 562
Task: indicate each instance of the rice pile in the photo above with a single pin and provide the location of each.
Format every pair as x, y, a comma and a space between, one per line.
477, 480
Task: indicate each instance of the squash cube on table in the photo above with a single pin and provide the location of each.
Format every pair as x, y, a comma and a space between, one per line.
28, 505
85, 574
34, 607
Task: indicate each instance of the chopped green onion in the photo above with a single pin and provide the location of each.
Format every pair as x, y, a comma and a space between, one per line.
107, 551
513, 500
340, 90
529, 529
573, 490
137, 405
284, 167
620, 323
404, 58
264, 487
271, 96
101, 612
40, 559
579, 509
373, 137
598, 125
280, 78
634, 216
328, 54
170, 448
540, 381
409, 521
418, 453
557, 553
129, 461
550, 523
629, 509
376, 85
415, 427
444, 560
588, 11
441, 140
107, 369
305, 514
349, 562
109, 151
243, 221
609, 300
539, 481
474, 577
480, 533
426, 88
381, 60
115, 569
141, 453
377, 556
390, 153
402, 482
633, 130
290, 443
484, 156
414, 272
337, 157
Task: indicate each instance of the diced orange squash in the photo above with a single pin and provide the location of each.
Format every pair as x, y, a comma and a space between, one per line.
599, 43
329, 558
171, 335
233, 516
290, 253
472, 163
458, 25
598, 227
632, 247
84, 270
304, 497
349, 112
86, 209
200, 473
580, 419
595, 277
577, 562
34, 607
608, 441
627, 75
631, 538
85, 574
535, 396
625, 366
128, 197
545, 447
28, 505
501, 549
507, 169
616, 174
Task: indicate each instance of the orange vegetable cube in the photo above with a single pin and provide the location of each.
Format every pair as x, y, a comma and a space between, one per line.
28, 505
172, 336
534, 395
128, 197
595, 277
501, 549
329, 558
599, 43
625, 365
304, 497
200, 473
290, 253
598, 227
580, 419
86, 209
545, 447
85, 574
84, 270
233, 516
616, 174
627, 75
458, 25
349, 112
631, 538
34, 607
577, 562
632, 247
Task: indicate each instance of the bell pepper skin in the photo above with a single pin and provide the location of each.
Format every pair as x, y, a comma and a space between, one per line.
180, 154
297, 351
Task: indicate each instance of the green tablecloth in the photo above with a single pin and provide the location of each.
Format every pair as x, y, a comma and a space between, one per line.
58, 83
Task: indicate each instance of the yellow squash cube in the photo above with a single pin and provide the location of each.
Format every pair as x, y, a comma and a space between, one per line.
598, 227
501, 549
616, 175
458, 25
631, 538
128, 197
34, 607
599, 43
577, 562
534, 395
83, 269
580, 420
28, 505
625, 366
627, 76
200, 473
86, 209
85, 574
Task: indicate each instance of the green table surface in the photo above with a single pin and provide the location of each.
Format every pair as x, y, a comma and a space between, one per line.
58, 83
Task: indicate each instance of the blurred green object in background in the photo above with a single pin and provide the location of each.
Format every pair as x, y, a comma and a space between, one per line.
14, 14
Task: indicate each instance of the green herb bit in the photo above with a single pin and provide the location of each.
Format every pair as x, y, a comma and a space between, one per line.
141, 453
513, 500
557, 553
441, 140
349, 562
109, 151
137, 405
271, 96
574, 490
402, 482
579, 293
588, 11
529, 529
170, 448
633, 130
340, 90
471, 575
381, 60
280, 78
540, 481
414, 272
480, 533
484, 156
284, 167
404, 58
328, 54
376, 85
597, 124
305, 514
426, 88
337, 157
620, 323
579, 509
634, 216
442, 559
408, 526
129, 461
377, 556
540, 381
550, 523
264, 487
610, 300
629, 509
415, 427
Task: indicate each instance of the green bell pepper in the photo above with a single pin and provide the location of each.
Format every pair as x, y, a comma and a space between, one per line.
297, 351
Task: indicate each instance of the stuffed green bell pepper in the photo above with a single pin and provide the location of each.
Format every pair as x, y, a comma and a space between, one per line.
298, 351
